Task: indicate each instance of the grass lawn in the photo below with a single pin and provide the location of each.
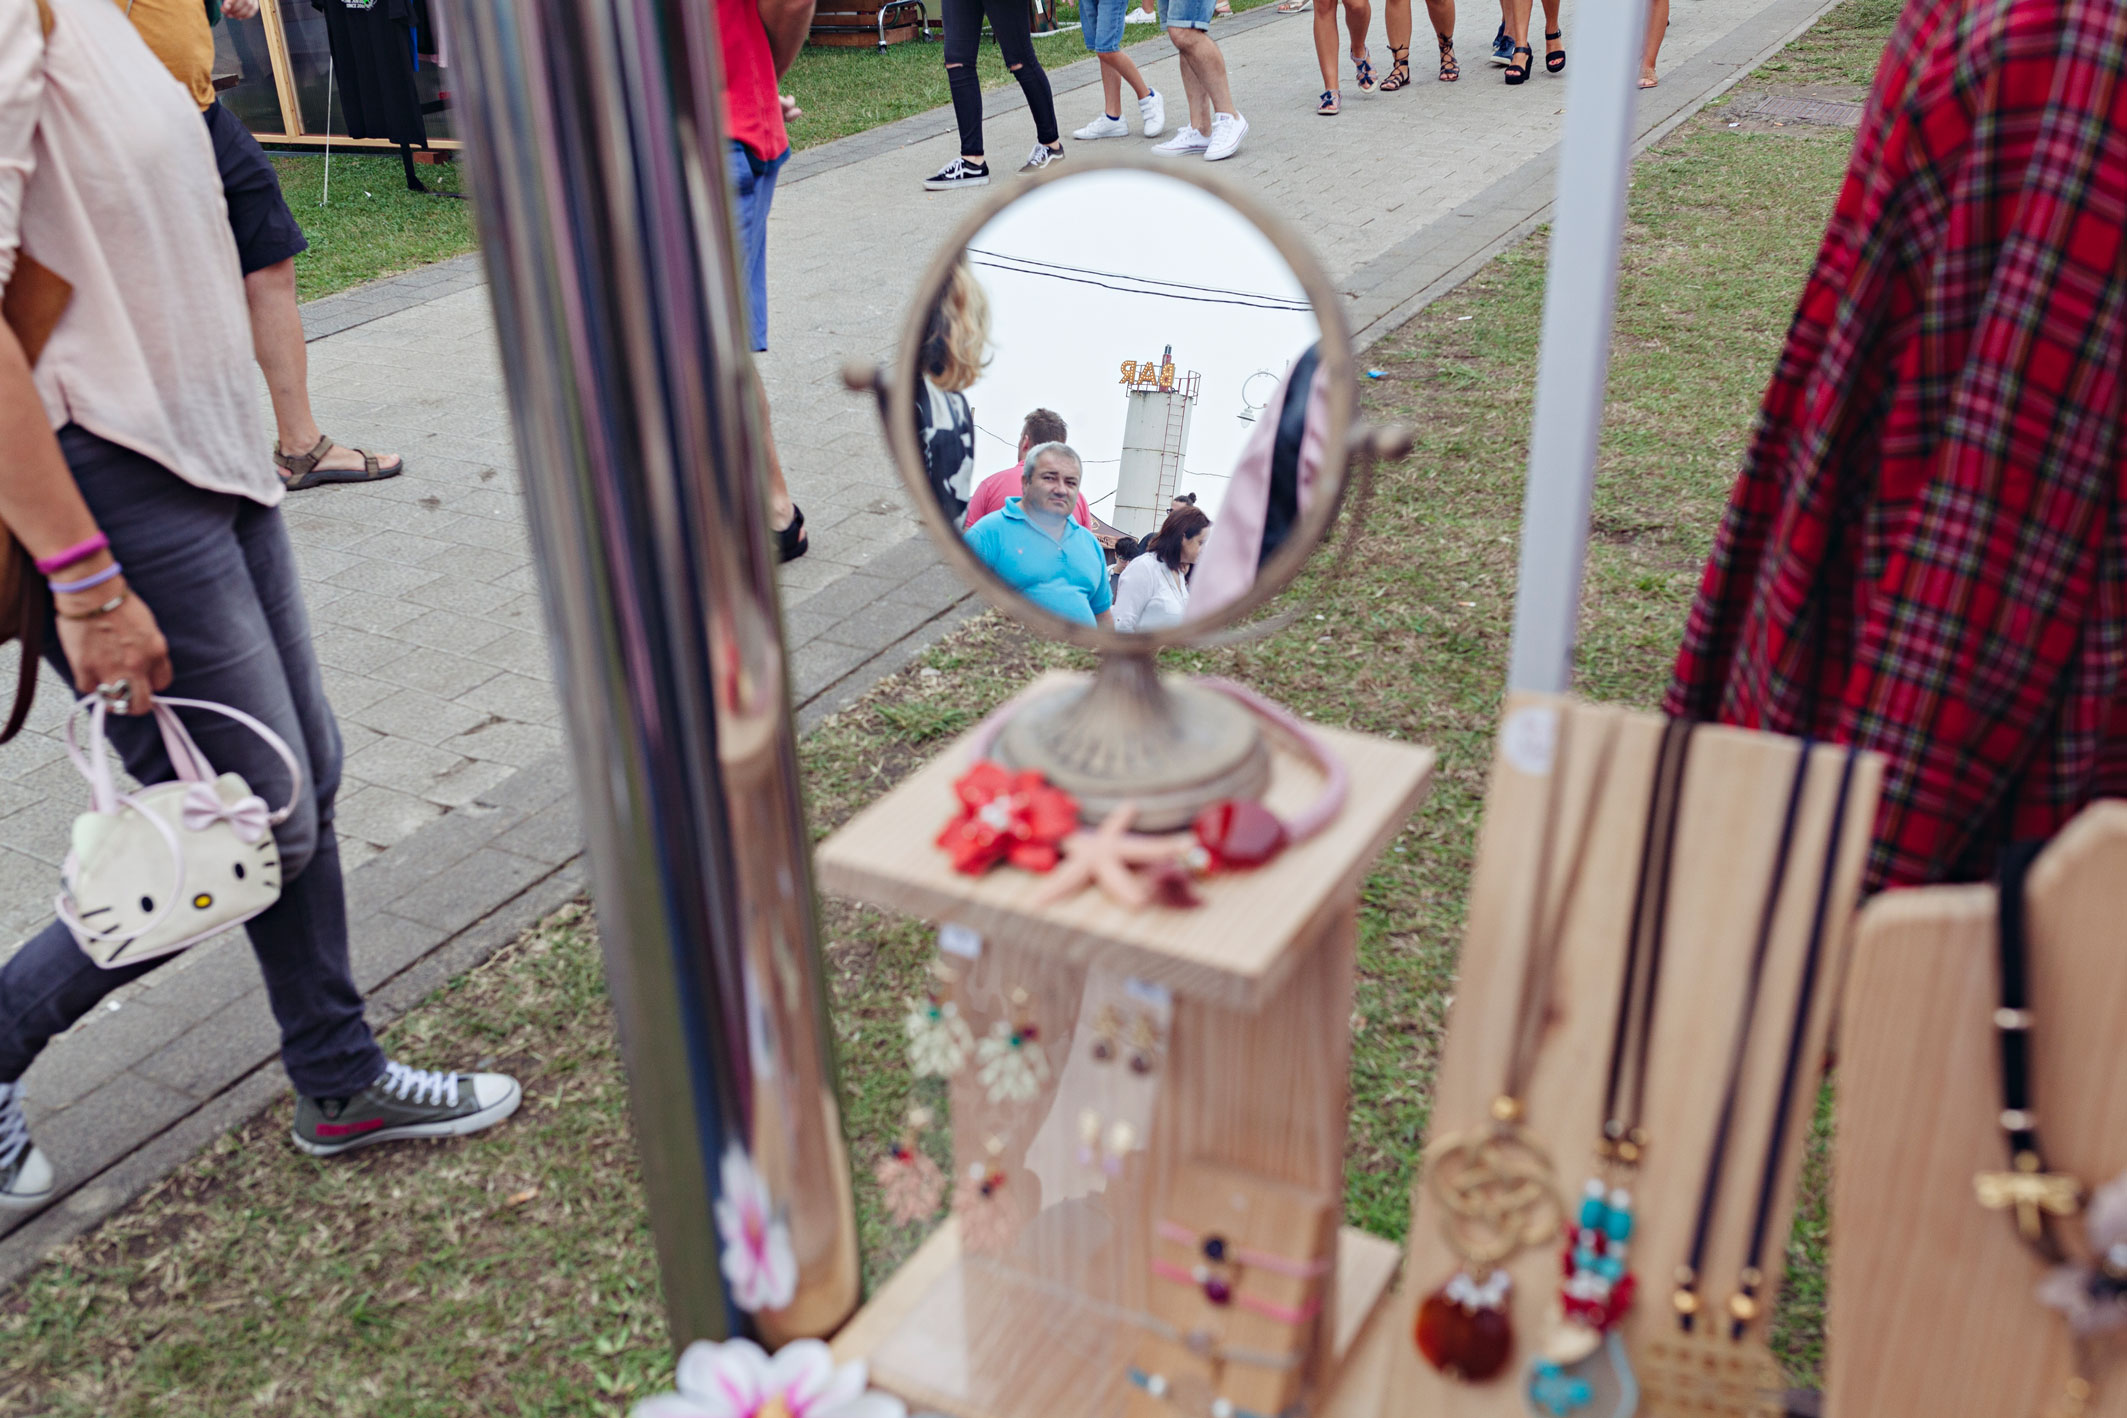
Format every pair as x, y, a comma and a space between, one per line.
514, 1273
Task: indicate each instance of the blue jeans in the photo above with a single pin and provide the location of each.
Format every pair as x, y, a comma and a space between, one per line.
220, 575
752, 191
1187, 14
1100, 23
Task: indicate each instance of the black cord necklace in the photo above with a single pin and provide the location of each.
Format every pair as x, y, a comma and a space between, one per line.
1743, 1306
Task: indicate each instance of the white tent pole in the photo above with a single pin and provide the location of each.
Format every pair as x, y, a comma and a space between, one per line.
1580, 296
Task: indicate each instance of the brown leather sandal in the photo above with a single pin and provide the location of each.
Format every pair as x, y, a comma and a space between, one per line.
301, 470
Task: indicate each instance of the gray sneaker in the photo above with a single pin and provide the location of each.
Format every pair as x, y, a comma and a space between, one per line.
25, 1175
405, 1102
1041, 157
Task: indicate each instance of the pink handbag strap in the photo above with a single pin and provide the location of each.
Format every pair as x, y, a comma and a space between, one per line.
186, 760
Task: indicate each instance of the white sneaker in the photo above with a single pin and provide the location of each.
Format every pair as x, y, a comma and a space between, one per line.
1227, 130
25, 1173
1153, 110
1185, 142
1041, 157
1103, 127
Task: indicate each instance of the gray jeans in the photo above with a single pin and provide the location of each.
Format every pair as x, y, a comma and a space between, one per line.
220, 575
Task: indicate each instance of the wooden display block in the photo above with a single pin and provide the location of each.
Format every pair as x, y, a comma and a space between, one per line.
1734, 794
1250, 1073
1932, 1309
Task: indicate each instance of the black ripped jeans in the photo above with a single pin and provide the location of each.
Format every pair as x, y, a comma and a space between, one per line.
963, 33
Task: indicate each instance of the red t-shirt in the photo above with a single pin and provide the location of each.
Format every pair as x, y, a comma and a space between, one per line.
998, 486
753, 105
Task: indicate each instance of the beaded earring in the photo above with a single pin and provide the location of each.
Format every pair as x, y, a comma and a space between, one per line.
1012, 1065
1107, 1034
939, 1039
1108, 1149
1146, 1046
911, 1181
979, 1203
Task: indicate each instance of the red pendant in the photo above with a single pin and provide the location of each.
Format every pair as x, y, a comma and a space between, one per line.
1239, 834
1461, 1342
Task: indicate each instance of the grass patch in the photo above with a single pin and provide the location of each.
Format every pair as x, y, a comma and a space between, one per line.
371, 226
424, 1280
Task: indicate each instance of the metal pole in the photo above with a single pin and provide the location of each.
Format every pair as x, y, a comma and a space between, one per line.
1580, 296
598, 167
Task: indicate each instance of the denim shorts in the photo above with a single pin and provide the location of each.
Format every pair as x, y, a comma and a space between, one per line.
1101, 22
752, 190
1186, 14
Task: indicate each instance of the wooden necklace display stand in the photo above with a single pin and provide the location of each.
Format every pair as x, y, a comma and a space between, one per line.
1932, 1305
1253, 1076
1734, 791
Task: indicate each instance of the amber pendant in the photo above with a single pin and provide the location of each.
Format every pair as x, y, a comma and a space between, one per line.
1705, 1374
1598, 1382
1463, 1327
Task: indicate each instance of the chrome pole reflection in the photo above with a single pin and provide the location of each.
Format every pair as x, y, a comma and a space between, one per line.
597, 164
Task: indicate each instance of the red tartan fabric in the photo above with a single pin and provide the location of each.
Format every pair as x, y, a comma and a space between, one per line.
1923, 554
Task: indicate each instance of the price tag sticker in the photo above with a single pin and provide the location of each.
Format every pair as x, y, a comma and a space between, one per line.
956, 939
1529, 739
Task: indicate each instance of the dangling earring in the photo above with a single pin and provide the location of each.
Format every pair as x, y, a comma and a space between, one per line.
911, 1181
1107, 1032
939, 1040
1121, 1139
1145, 1044
1013, 1067
978, 1202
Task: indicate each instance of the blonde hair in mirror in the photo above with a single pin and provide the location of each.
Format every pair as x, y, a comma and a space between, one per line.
956, 345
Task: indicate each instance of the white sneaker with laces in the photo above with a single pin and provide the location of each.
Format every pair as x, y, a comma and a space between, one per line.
1227, 130
1186, 140
1152, 110
25, 1173
1103, 127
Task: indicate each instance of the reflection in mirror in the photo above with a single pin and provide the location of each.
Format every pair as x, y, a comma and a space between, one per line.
1125, 428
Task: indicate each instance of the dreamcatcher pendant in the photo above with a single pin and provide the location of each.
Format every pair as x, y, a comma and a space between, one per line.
911, 1182
1011, 1065
979, 1204
1496, 1195
939, 1040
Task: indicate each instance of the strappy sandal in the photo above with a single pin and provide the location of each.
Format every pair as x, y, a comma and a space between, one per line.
1399, 72
1328, 107
1554, 59
1363, 66
1294, 7
1450, 71
1518, 72
301, 470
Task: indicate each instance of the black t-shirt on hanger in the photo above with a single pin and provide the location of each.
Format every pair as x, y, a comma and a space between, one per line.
373, 68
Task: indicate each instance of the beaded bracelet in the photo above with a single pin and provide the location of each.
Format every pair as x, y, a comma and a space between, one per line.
87, 583
80, 551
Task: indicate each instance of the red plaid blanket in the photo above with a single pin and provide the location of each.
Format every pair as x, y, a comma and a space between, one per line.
1924, 552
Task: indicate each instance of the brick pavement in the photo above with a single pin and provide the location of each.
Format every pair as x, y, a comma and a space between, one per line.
455, 815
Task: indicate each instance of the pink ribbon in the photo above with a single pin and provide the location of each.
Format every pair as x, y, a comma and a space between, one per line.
203, 807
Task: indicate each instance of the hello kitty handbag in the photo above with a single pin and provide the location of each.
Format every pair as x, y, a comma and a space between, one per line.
155, 871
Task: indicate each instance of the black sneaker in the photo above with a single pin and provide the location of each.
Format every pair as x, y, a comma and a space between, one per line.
405, 1102
25, 1175
958, 173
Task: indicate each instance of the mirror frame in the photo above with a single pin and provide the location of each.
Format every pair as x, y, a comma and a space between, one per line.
1337, 363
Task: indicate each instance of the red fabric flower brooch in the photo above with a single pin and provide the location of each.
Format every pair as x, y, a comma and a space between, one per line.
1007, 817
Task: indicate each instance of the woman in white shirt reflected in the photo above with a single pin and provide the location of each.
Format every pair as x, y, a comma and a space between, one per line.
1153, 593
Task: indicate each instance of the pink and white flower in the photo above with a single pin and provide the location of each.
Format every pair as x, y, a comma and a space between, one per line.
759, 1264
737, 1379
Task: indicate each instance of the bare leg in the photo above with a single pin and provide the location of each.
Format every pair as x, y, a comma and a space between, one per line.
1199, 50
1518, 21
1192, 82
1657, 26
277, 340
1358, 19
780, 508
1396, 23
1124, 67
1326, 42
1442, 15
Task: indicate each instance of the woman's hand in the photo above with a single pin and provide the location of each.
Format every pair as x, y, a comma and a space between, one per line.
125, 644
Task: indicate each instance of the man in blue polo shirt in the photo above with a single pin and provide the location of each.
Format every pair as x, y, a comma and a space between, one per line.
1040, 552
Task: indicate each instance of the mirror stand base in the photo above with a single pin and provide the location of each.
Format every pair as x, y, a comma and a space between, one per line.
1167, 745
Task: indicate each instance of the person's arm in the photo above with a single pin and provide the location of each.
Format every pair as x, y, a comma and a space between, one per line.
38, 498
239, 10
787, 22
1104, 620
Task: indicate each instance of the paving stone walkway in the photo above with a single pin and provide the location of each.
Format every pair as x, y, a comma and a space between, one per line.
456, 818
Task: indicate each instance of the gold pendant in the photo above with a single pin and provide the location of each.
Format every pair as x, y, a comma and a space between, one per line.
1496, 1192
1705, 1374
2029, 1193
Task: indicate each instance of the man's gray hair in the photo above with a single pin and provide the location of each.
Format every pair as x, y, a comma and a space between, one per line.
1026, 469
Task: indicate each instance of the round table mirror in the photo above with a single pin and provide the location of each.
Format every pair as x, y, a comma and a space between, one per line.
1123, 408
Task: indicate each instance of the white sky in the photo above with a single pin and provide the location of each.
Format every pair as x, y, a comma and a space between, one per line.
1058, 341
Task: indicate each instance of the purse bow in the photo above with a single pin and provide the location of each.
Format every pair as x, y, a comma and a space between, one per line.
203, 807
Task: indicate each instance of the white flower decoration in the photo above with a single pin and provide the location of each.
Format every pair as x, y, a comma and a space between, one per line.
759, 1264
736, 1379
1013, 1067
939, 1040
